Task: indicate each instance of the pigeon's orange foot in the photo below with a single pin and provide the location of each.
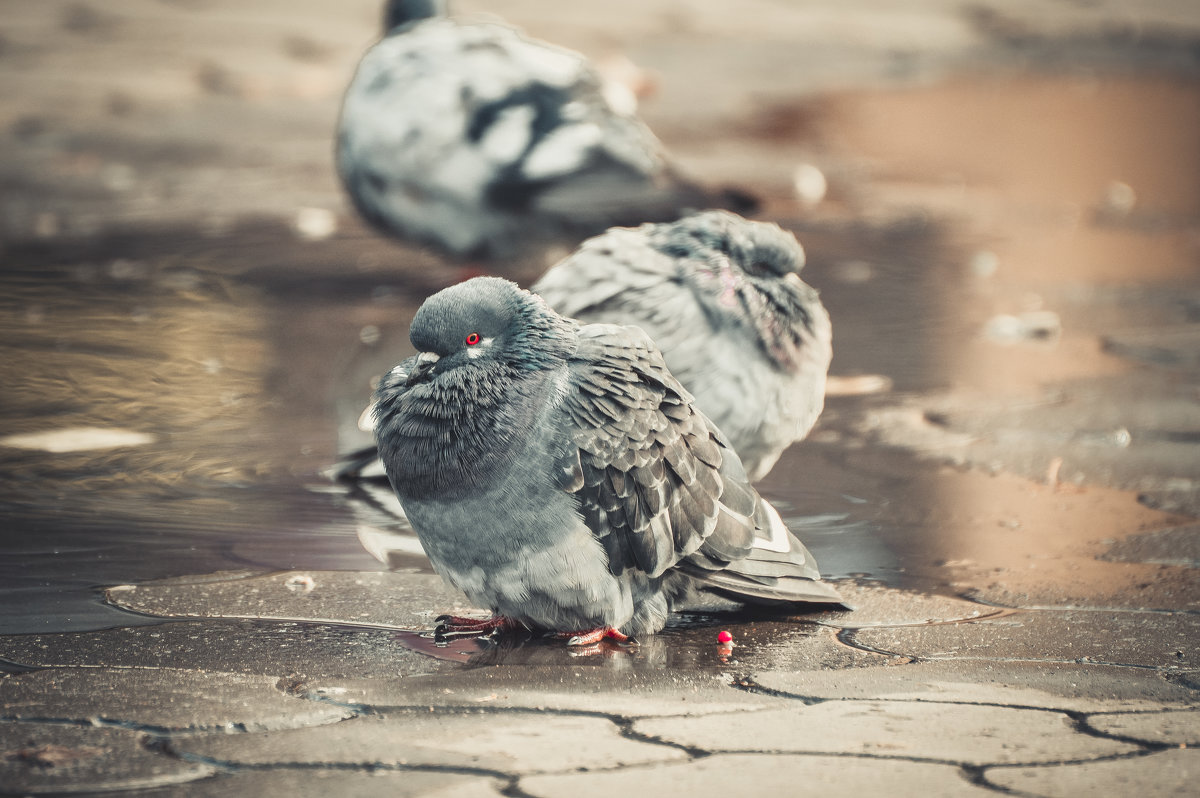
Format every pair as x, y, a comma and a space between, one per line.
594, 636
458, 626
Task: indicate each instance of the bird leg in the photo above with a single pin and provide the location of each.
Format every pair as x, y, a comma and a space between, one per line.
460, 626
587, 638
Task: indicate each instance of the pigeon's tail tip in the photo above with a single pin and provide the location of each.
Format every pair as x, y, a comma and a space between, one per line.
774, 591
818, 591
726, 198
738, 200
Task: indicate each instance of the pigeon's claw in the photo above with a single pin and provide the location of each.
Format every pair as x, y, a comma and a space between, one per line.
594, 636
449, 626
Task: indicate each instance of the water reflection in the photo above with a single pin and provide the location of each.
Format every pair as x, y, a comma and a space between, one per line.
182, 357
764, 641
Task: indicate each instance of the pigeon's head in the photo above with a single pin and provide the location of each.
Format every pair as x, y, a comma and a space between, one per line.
488, 320
406, 12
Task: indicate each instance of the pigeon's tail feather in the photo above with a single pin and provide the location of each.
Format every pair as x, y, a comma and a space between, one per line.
737, 587
776, 568
767, 575
592, 202
761, 578
738, 200
360, 465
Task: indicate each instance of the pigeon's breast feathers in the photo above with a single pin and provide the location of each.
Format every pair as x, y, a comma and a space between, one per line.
491, 357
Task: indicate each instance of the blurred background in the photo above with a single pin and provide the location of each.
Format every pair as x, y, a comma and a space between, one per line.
1000, 202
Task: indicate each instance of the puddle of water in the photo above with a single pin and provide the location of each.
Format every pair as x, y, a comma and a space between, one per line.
244, 358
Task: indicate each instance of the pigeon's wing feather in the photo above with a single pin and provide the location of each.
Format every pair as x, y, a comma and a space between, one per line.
658, 484
644, 461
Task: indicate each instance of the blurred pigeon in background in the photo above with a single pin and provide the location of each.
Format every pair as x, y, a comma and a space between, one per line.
486, 144
561, 476
722, 299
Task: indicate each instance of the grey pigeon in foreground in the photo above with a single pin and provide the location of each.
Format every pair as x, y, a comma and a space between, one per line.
721, 297
559, 475
483, 143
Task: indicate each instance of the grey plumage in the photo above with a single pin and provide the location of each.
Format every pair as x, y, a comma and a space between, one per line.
721, 297
483, 143
561, 476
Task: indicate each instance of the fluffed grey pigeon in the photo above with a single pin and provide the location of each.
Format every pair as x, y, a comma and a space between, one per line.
486, 144
722, 298
559, 475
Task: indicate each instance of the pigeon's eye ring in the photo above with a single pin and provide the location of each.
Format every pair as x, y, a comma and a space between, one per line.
472, 339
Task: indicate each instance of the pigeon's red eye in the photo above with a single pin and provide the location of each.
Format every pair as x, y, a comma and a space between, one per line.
472, 339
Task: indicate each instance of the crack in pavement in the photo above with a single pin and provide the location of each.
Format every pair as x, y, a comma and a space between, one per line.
1081, 721
986, 782
228, 766
107, 723
847, 636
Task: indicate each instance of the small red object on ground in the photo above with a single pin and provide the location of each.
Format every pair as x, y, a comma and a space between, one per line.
724, 636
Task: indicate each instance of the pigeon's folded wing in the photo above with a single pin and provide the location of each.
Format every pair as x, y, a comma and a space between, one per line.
655, 480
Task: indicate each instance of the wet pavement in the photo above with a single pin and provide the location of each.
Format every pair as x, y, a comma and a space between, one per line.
1001, 208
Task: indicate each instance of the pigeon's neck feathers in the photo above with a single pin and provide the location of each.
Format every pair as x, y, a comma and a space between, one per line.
405, 12
541, 338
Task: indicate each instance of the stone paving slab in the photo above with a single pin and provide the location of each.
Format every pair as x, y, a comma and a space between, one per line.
1169, 773
276, 648
1180, 728
498, 742
168, 698
37, 758
1146, 587
726, 775
958, 733
314, 783
1177, 546
1156, 640
413, 600
628, 694
876, 605
400, 600
1069, 687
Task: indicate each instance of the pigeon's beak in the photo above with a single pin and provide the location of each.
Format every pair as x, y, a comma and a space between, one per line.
425, 363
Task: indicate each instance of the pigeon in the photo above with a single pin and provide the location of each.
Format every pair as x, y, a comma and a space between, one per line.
488, 145
721, 297
558, 474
